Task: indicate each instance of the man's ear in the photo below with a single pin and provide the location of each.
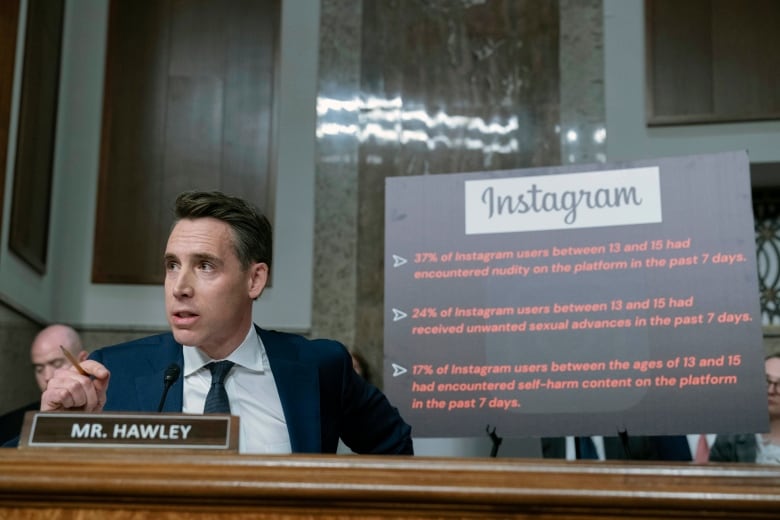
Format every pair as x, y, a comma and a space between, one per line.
258, 278
82, 355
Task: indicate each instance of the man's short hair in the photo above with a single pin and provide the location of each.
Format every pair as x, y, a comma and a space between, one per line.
253, 237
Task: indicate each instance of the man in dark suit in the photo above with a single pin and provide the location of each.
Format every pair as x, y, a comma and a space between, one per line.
46, 356
292, 394
638, 447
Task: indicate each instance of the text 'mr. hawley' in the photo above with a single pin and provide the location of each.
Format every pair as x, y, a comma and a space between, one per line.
131, 431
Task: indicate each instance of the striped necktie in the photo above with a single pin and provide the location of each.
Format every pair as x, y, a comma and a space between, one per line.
217, 398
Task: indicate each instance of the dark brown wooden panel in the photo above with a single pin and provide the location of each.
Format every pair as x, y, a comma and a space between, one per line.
193, 134
9, 21
679, 45
747, 68
128, 238
29, 234
188, 105
249, 102
711, 61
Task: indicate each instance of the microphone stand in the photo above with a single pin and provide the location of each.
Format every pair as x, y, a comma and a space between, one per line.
623, 434
164, 394
171, 375
495, 439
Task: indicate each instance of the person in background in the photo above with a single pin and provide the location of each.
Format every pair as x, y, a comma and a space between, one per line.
46, 354
293, 395
46, 357
699, 446
637, 447
761, 448
360, 365
671, 448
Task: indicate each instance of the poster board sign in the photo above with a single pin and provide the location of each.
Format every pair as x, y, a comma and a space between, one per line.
578, 300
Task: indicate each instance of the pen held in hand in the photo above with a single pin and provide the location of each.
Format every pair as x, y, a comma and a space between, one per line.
73, 361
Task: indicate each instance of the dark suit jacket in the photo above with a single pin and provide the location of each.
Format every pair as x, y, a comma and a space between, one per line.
11, 422
673, 447
639, 447
734, 448
322, 397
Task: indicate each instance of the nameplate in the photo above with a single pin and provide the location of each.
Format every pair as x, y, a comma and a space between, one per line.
129, 430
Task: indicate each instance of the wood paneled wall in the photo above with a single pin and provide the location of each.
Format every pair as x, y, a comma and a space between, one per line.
36, 139
9, 21
188, 105
712, 61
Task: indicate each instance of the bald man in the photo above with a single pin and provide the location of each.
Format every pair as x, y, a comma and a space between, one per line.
46, 357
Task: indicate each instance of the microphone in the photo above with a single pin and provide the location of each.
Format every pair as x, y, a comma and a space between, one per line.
623, 434
171, 375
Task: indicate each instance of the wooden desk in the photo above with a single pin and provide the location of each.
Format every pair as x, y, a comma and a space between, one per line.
86, 484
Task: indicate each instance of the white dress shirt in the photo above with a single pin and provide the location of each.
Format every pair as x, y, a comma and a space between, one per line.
693, 442
251, 391
766, 452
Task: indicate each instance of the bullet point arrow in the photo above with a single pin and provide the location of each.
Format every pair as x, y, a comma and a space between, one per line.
398, 260
398, 315
398, 370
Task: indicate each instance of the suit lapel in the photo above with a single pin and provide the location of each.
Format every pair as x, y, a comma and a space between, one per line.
296, 382
150, 386
298, 387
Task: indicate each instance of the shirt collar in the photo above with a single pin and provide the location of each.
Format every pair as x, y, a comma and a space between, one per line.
250, 354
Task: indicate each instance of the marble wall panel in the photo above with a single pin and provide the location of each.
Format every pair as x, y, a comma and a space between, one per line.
583, 125
336, 200
448, 86
415, 87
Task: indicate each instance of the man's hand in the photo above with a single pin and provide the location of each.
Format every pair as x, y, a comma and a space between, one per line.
69, 390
